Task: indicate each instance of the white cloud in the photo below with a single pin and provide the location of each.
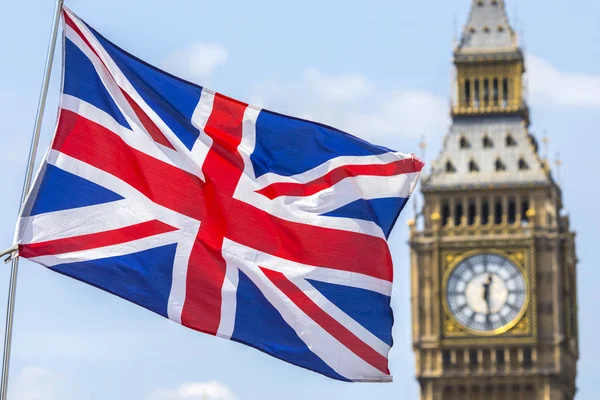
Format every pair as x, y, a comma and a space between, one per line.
196, 62
549, 85
196, 391
352, 103
36, 384
343, 88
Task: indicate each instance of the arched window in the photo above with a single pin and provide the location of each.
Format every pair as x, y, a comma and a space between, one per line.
512, 211
473, 167
500, 357
486, 92
446, 359
485, 211
473, 361
464, 143
500, 166
510, 141
504, 92
445, 213
468, 93
476, 93
487, 142
524, 209
498, 212
495, 92
450, 167
471, 212
527, 358
458, 213
523, 166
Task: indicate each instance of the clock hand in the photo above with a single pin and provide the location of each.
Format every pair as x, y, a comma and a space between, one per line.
486, 293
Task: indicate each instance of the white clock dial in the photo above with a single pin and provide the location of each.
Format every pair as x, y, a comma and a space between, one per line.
486, 292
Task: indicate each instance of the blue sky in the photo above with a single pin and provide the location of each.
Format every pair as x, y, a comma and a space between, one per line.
379, 69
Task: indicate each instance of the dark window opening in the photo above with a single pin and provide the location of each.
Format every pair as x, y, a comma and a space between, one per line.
527, 358
523, 166
445, 213
485, 211
510, 141
476, 93
468, 93
500, 166
458, 214
487, 142
486, 92
450, 167
446, 358
498, 212
473, 167
464, 143
500, 357
524, 209
472, 212
512, 211
495, 93
504, 92
473, 358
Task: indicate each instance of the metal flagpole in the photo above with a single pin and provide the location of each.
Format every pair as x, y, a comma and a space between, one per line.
10, 309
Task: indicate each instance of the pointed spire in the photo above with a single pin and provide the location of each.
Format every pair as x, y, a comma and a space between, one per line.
558, 163
488, 29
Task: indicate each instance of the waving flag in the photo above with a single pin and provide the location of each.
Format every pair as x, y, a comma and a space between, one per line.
229, 219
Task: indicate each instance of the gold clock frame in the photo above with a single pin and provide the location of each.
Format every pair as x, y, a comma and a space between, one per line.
455, 262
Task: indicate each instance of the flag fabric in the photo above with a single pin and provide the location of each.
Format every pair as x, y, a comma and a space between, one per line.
226, 218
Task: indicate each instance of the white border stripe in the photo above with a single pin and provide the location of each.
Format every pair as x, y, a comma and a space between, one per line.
328, 166
122, 81
185, 244
336, 313
80, 221
319, 341
108, 251
228, 300
294, 270
136, 138
199, 120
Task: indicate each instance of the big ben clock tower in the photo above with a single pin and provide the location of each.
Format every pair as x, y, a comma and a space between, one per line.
493, 265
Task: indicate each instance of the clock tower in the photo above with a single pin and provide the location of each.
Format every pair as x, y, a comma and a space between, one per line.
493, 264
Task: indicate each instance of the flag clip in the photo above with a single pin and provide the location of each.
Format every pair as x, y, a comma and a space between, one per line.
11, 252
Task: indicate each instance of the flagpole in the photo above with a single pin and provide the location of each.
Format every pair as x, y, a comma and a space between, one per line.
10, 309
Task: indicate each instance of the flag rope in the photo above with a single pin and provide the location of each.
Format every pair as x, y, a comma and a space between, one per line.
10, 308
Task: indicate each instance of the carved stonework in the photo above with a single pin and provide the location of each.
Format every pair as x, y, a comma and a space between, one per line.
493, 265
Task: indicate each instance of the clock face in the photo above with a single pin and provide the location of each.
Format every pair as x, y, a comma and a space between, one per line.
486, 292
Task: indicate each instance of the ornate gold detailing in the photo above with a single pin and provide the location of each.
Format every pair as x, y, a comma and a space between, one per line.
450, 258
435, 217
451, 327
522, 326
530, 213
518, 256
410, 222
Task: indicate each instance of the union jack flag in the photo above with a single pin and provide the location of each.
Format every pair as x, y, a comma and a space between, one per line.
226, 218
